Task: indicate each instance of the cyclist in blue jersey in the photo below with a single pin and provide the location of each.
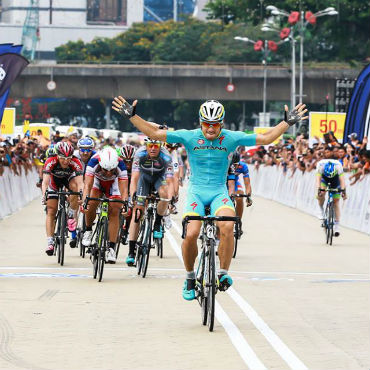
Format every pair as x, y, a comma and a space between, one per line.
236, 169
209, 149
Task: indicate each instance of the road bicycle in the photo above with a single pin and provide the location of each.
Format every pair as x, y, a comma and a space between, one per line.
238, 224
329, 215
206, 277
61, 233
100, 247
122, 236
145, 239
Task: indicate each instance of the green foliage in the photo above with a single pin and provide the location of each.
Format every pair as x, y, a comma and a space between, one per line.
344, 37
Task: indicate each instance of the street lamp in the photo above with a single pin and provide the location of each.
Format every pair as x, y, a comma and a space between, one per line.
302, 16
264, 59
265, 47
269, 27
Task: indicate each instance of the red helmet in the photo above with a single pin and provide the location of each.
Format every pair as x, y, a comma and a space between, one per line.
127, 152
64, 149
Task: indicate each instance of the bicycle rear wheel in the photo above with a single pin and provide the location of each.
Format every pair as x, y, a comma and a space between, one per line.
103, 246
63, 222
211, 282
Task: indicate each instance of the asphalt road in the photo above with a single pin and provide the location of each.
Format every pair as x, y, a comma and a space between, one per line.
296, 303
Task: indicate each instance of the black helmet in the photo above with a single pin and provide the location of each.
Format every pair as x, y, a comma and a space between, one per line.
236, 158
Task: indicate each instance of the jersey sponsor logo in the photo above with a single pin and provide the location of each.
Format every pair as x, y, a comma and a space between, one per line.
210, 147
225, 200
194, 205
200, 141
221, 139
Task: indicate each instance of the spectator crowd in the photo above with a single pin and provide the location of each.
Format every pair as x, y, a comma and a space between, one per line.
298, 155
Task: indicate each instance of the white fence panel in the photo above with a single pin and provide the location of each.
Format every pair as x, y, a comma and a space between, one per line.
299, 191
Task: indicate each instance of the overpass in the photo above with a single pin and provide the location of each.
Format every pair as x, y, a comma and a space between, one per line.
174, 81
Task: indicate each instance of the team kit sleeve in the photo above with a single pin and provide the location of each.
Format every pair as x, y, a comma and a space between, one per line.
245, 170
122, 170
241, 138
48, 165
178, 136
91, 166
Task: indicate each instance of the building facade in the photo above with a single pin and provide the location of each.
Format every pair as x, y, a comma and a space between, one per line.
155, 10
61, 21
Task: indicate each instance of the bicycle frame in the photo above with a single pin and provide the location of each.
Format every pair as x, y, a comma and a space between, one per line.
206, 287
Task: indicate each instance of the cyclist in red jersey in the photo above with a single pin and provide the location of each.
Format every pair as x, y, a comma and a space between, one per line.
61, 170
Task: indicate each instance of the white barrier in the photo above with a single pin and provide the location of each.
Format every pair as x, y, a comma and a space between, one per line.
298, 191
17, 191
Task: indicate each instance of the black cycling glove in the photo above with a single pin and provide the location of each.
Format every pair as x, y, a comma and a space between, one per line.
292, 117
127, 110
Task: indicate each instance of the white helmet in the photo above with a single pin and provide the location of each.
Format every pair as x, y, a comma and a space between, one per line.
212, 111
108, 159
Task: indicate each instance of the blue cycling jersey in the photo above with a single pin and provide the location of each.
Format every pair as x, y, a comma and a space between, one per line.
209, 160
240, 168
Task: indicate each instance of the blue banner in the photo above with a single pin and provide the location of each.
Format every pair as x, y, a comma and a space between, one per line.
357, 118
11, 65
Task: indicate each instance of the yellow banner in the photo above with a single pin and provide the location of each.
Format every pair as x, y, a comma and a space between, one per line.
8, 122
45, 130
26, 126
323, 122
262, 130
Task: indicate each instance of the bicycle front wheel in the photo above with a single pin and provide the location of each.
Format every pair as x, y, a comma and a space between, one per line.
331, 223
63, 222
211, 283
146, 245
103, 246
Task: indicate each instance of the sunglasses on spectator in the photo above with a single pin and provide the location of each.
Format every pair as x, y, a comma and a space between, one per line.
153, 145
85, 150
209, 124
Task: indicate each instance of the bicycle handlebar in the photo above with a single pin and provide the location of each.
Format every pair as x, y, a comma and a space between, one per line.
206, 218
124, 202
47, 192
232, 196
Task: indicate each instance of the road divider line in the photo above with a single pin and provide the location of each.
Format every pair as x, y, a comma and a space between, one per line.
237, 339
279, 346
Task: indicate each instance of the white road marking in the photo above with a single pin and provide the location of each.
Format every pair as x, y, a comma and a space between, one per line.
279, 346
245, 350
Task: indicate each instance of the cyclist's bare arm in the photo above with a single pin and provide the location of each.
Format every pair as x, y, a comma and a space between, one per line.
148, 128
134, 180
123, 189
45, 183
318, 181
248, 186
269, 136
89, 181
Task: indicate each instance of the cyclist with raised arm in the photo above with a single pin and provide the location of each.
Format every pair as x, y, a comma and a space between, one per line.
152, 168
105, 175
62, 169
330, 175
209, 149
236, 169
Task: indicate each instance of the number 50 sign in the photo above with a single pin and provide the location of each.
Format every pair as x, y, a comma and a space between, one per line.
323, 122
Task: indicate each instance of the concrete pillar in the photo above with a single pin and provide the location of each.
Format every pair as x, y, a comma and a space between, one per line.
107, 114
